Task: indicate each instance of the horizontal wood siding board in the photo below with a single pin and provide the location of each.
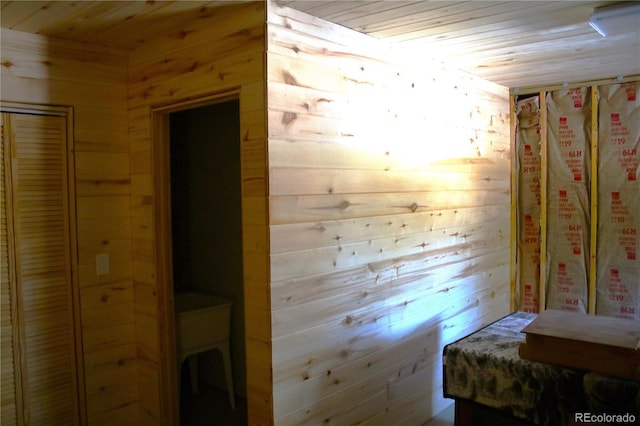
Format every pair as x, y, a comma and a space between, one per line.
438, 242
353, 128
58, 48
206, 27
103, 338
298, 181
118, 357
173, 85
312, 208
125, 415
317, 154
311, 235
62, 93
175, 62
24, 66
315, 28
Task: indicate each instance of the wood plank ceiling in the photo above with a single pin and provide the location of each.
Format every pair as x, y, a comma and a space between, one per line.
512, 43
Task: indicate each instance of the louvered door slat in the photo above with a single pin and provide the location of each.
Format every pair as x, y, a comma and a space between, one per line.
51, 339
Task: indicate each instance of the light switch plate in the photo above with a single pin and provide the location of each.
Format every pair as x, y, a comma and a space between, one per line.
102, 264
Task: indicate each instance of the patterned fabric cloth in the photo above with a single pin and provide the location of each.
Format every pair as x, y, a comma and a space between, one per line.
485, 367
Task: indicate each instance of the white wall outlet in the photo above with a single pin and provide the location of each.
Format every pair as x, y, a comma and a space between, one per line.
391, 388
102, 264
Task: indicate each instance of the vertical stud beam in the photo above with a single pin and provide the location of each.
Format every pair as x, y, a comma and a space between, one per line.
514, 303
543, 202
594, 200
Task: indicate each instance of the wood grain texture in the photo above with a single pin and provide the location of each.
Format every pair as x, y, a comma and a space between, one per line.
214, 54
92, 80
598, 343
43, 283
389, 222
347, 147
516, 44
10, 399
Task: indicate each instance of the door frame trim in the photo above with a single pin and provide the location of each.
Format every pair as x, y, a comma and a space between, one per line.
161, 177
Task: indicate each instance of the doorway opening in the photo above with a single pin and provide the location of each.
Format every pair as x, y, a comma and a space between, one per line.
203, 246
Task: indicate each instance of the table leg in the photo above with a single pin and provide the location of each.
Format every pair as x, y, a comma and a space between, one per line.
226, 358
193, 372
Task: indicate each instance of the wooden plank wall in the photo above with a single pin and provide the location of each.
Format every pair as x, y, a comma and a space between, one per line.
216, 50
92, 80
389, 203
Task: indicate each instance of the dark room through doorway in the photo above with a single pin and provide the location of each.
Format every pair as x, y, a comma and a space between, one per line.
206, 243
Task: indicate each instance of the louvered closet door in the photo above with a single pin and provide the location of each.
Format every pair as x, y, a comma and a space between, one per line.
38, 213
